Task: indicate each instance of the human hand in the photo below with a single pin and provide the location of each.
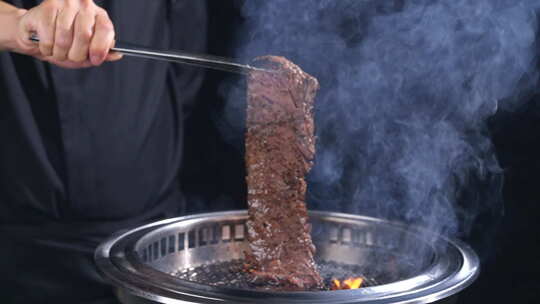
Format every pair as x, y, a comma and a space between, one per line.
72, 33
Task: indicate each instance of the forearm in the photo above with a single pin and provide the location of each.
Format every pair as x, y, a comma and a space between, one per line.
9, 16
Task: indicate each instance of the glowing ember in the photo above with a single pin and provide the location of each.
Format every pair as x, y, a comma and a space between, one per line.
350, 283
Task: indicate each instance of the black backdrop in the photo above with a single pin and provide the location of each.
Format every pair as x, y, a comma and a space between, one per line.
213, 173
213, 177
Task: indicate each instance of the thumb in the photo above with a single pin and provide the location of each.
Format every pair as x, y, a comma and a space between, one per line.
114, 56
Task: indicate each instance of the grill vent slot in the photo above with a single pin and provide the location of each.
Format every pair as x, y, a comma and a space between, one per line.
172, 243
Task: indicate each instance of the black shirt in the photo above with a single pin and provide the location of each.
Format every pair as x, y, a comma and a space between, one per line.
84, 153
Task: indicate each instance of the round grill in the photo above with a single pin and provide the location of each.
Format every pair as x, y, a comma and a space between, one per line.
197, 259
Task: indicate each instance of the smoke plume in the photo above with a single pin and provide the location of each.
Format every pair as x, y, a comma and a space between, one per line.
406, 89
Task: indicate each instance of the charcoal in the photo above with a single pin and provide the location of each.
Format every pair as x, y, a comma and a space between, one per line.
230, 274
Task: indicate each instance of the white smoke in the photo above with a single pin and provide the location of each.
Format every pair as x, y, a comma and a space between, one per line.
406, 88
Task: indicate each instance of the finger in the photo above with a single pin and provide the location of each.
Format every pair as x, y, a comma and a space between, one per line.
103, 38
66, 63
63, 37
82, 35
46, 28
73, 65
114, 56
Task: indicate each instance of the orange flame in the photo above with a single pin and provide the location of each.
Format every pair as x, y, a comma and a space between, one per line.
336, 284
350, 283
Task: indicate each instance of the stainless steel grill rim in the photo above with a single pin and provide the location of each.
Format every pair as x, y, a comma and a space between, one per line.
124, 260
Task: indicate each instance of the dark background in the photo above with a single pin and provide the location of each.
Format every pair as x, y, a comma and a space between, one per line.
213, 178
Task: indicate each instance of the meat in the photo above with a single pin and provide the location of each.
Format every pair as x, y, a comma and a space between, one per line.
280, 146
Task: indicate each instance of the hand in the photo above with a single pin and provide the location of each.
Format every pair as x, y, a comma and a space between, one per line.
72, 33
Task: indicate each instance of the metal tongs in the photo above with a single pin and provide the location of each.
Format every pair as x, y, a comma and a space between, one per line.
201, 60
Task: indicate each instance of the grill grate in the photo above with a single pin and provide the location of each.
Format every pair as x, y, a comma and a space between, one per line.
230, 274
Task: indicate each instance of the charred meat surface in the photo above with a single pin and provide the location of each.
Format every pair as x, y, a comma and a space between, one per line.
280, 146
